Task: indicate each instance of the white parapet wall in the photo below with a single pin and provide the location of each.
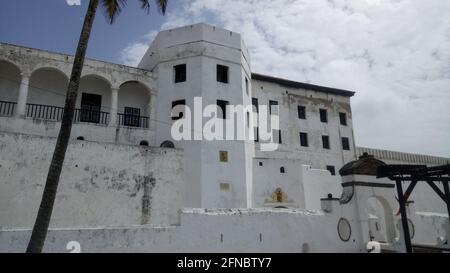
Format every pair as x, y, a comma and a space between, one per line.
205, 230
101, 184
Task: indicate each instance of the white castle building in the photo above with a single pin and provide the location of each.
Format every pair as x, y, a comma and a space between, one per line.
128, 185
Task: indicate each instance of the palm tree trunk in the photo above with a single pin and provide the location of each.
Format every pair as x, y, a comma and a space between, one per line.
40, 228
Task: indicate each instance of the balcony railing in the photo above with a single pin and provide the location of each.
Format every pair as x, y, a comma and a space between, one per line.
7, 108
55, 113
133, 120
47, 112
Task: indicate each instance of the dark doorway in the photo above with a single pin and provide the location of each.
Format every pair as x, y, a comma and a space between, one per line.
132, 116
90, 107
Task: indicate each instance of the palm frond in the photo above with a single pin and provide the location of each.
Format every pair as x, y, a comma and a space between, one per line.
161, 4
112, 8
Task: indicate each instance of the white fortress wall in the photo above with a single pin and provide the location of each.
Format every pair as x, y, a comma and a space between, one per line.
101, 184
205, 230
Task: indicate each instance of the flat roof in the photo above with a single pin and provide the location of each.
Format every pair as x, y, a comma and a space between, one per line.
289, 83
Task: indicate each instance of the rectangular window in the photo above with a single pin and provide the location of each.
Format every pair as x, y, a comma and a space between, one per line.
301, 112
223, 156
304, 139
180, 73
222, 73
345, 143
326, 142
180, 113
255, 105
273, 107
132, 116
343, 118
256, 132
222, 104
323, 115
331, 169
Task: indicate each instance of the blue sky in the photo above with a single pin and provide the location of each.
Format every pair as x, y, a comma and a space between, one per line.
55, 26
394, 53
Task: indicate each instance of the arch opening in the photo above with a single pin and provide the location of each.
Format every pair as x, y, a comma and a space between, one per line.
133, 105
10, 78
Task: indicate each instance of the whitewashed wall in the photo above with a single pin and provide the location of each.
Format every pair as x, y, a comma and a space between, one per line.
200, 230
101, 184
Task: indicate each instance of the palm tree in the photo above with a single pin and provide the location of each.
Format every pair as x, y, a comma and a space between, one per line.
111, 8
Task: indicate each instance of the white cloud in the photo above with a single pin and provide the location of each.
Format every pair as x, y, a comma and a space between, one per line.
73, 2
394, 53
133, 53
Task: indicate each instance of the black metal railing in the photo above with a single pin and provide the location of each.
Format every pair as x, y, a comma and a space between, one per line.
7, 108
92, 116
48, 112
55, 113
132, 120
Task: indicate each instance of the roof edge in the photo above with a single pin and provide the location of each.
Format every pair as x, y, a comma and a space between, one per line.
290, 83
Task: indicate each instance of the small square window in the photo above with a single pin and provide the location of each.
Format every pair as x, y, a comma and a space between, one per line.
326, 142
345, 144
343, 118
260, 163
323, 115
222, 73
222, 104
225, 187
180, 73
304, 139
223, 156
301, 112
331, 169
178, 103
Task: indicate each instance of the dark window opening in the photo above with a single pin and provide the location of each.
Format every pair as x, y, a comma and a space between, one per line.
180, 73
331, 169
301, 112
323, 115
177, 103
222, 73
256, 134
80, 138
143, 143
326, 142
273, 104
167, 144
343, 118
282, 170
255, 105
222, 104
304, 139
345, 143
132, 116
260, 163
90, 107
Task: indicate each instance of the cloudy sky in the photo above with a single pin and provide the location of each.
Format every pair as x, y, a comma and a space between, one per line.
394, 53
